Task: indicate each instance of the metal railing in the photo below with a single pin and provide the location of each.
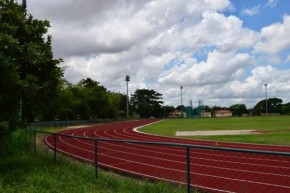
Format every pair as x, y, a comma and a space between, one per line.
187, 148
47, 124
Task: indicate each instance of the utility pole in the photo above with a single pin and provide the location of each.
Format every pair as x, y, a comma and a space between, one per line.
127, 79
181, 87
266, 98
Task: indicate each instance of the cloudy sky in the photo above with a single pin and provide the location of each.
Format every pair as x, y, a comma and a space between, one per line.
221, 51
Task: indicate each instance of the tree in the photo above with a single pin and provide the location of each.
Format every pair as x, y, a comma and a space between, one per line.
89, 99
28, 65
117, 105
274, 106
24, 4
146, 102
166, 110
206, 108
180, 107
286, 109
239, 109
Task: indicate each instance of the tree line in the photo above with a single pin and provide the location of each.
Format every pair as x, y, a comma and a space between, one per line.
270, 106
32, 87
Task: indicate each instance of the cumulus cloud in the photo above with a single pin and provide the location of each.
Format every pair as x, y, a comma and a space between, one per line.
219, 68
272, 3
274, 38
287, 59
252, 11
164, 44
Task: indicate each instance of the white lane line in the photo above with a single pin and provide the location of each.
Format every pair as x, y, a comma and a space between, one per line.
229, 144
194, 157
176, 170
271, 159
179, 162
138, 162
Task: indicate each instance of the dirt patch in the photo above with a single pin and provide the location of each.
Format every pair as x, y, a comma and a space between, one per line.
271, 131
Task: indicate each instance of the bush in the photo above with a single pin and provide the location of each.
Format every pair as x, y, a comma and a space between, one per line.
15, 142
4, 139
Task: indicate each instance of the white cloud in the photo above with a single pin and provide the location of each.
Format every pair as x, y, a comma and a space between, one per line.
252, 11
287, 59
274, 38
219, 68
272, 3
164, 44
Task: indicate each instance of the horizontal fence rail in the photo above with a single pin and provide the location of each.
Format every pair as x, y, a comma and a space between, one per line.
206, 168
47, 124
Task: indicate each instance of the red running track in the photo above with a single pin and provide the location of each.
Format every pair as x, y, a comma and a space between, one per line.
211, 170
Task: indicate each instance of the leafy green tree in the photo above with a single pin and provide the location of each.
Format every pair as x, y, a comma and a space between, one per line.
65, 111
147, 103
215, 108
274, 106
117, 105
180, 107
239, 109
166, 110
286, 109
206, 108
28, 64
89, 99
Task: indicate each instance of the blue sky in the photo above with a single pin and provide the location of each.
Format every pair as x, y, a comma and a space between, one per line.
266, 13
221, 51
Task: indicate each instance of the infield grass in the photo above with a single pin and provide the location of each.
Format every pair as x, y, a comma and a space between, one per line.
277, 128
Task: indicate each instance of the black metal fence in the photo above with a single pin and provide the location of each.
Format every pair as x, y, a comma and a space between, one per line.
207, 168
68, 123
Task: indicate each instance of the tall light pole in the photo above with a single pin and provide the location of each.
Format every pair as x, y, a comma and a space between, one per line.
181, 87
127, 100
266, 98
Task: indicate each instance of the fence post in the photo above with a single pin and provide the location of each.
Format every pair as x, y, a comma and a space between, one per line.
188, 168
96, 157
54, 149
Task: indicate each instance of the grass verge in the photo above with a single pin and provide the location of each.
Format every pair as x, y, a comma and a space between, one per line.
23, 173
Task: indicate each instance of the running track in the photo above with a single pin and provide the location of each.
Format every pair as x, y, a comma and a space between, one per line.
212, 171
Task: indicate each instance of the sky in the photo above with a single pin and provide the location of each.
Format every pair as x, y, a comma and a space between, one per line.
222, 52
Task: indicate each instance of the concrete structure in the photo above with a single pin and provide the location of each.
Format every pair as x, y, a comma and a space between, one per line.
177, 114
206, 114
223, 113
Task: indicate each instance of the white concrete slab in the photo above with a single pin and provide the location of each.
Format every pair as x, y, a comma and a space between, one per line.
217, 132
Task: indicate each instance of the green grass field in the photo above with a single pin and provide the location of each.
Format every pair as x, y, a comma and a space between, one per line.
277, 128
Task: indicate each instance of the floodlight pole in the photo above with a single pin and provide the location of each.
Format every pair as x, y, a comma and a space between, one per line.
266, 98
127, 99
181, 87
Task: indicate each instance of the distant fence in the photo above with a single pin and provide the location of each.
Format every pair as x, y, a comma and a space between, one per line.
47, 124
191, 175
